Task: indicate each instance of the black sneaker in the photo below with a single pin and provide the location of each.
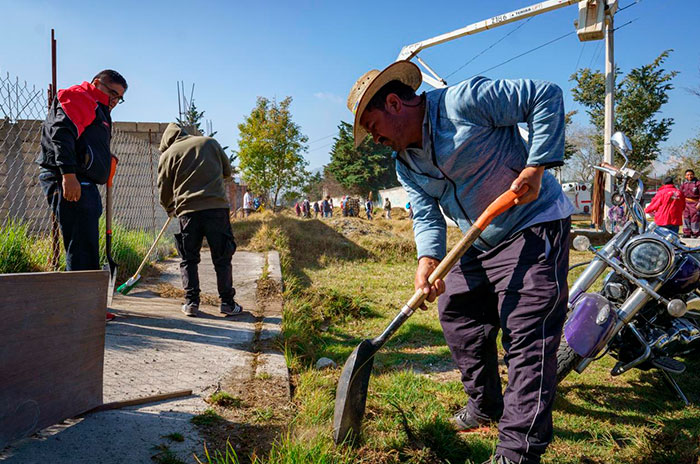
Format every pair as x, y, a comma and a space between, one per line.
230, 308
190, 309
498, 459
463, 421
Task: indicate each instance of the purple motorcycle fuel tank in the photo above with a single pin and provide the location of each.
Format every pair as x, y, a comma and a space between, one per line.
587, 329
685, 279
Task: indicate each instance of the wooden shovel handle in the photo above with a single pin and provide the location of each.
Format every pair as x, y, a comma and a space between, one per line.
498, 206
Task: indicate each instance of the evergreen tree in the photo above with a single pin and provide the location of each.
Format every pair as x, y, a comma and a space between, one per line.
366, 168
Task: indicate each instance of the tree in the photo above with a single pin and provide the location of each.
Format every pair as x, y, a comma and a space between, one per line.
270, 148
584, 155
366, 168
686, 156
192, 119
569, 146
638, 98
313, 186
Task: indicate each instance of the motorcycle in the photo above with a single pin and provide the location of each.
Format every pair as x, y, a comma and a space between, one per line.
648, 310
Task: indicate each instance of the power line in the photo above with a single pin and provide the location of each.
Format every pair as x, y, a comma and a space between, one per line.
628, 6
322, 146
547, 43
596, 54
524, 53
323, 138
488, 48
580, 55
626, 24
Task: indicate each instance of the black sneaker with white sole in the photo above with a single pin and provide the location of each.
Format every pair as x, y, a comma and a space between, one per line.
464, 421
190, 309
230, 308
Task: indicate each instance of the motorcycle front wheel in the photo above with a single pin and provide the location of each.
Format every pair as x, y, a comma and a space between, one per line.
567, 359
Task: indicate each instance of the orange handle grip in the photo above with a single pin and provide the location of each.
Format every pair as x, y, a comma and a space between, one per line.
112, 170
498, 206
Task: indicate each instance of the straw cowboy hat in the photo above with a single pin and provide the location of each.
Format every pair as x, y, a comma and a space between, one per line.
369, 84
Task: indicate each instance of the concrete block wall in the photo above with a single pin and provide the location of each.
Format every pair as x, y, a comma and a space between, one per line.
136, 201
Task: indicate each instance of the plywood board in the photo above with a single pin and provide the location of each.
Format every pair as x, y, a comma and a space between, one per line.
52, 331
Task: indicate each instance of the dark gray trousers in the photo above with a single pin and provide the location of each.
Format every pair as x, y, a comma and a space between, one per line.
520, 287
215, 225
78, 220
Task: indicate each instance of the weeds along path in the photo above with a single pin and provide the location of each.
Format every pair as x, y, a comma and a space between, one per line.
345, 278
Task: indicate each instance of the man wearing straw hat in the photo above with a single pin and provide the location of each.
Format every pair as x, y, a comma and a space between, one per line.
457, 149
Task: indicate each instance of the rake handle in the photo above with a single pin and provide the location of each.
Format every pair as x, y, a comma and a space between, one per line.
150, 250
499, 205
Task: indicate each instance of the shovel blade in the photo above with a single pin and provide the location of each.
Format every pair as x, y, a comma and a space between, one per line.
351, 394
112, 268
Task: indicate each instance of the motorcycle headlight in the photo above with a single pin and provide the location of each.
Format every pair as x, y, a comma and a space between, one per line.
647, 256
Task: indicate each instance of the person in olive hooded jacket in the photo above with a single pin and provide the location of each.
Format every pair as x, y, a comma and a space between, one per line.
191, 173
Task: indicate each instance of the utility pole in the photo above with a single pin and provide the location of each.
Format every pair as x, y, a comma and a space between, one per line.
609, 103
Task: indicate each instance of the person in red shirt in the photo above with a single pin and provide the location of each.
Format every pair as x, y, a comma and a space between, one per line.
667, 206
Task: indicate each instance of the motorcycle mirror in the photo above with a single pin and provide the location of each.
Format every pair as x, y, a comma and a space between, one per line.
581, 243
621, 143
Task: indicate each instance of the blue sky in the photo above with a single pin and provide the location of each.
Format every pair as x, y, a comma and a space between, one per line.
314, 51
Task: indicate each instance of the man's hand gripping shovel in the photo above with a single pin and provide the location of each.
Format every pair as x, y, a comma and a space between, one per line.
351, 394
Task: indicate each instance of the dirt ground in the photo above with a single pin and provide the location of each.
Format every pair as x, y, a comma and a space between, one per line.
264, 409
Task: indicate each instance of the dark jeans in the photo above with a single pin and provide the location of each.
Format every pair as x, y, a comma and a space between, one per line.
214, 224
671, 228
519, 287
78, 221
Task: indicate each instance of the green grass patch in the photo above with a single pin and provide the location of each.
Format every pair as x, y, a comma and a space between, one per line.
165, 456
175, 436
225, 400
228, 456
130, 246
263, 414
206, 418
21, 252
17, 252
345, 280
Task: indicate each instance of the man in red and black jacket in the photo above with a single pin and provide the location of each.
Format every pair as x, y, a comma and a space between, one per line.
75, 155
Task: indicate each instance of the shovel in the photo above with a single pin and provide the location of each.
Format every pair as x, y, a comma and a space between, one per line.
351, 394
110, 266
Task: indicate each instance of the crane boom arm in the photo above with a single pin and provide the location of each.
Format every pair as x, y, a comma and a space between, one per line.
409, 51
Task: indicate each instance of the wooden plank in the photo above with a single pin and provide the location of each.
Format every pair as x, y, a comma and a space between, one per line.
52, 330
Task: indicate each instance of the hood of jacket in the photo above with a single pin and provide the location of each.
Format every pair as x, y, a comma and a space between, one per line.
173, 133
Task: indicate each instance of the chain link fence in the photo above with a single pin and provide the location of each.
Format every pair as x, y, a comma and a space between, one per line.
29, 238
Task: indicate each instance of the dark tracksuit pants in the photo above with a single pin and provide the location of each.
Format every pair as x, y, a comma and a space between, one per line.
691, 219
215, 225
520, 287
79, 221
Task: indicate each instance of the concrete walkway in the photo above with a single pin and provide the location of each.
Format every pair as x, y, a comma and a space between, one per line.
153, 348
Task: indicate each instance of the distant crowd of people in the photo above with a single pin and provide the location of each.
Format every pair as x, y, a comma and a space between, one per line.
252, 203
349, 207
673, 206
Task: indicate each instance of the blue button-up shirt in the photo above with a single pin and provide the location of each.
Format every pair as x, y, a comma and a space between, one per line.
472, 151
